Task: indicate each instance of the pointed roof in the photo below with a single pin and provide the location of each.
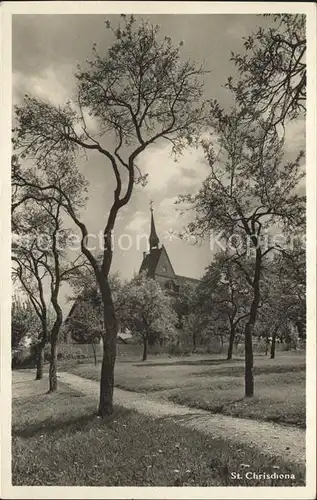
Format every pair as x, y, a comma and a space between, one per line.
150, 261
164, 252
153, 239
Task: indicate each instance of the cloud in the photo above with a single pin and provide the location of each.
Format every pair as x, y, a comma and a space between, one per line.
295, 135
53, 85
174, 214
188, 171
50, 84
167, 215
138, 222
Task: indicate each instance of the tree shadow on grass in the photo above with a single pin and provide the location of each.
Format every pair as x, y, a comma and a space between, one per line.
50, 426
234, 371
212, 361
69, 425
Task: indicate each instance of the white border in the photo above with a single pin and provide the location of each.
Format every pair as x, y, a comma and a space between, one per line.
91, 7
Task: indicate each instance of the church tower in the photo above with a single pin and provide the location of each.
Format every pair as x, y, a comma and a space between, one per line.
157, 265
153, 239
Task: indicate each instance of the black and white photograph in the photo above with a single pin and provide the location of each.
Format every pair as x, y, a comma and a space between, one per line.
161, 250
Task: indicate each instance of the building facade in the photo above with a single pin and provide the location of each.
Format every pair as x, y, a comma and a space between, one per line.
157, 265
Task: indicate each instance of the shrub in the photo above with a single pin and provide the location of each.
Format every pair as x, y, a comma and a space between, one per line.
17, 357
26, 357
23, 358
64, 352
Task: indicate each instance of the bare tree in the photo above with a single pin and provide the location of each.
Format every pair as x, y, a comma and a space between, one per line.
284, 294
249, 190
28, 270
139, 93
272, 71
39, 254
224, 294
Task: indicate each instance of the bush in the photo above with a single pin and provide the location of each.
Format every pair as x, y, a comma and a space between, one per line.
64, 352
26, 357
23, 358
17, 357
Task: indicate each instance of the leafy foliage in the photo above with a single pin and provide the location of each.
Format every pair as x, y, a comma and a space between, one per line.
250, 194
138, 93
284, 295
249, 188
24, 323
85, 321
272, 71
41, 263
144, 308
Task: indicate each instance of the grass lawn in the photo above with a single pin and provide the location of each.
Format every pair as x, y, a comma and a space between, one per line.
58, 440
217, 385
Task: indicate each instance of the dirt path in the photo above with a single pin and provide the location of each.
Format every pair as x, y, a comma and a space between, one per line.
286, 442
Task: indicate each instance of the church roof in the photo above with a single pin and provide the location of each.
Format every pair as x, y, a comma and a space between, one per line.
150, 262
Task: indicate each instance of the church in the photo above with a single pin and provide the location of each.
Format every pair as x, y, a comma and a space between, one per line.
157, 265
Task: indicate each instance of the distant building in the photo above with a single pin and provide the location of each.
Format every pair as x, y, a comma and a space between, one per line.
158, 266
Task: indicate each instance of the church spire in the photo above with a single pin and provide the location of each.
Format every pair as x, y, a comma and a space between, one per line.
153, 239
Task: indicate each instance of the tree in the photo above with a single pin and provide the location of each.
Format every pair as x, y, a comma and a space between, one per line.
85, 320
23, 322
194, 325
186, 305
284, 304
272, 72
144, 308
292, 267
248, 192
225, 294
39, 254
137, 94
29, 272
86, 325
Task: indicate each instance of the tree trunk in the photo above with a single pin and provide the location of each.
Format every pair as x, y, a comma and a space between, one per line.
194, 341
40, 361
273, 343
300, 329
54, 341
231, 341
145, 342
53, 367
109, 349
221, 342
94, 352
248, 375
248, 333
267, 342
107, 380
40, 349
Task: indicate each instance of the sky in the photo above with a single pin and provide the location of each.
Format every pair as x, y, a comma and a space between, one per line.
45, 52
